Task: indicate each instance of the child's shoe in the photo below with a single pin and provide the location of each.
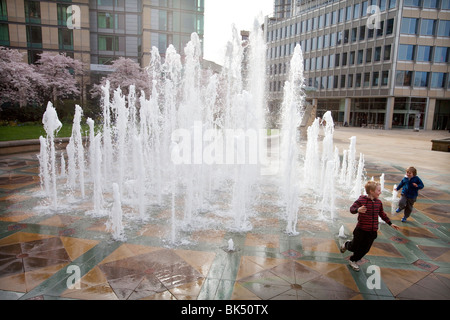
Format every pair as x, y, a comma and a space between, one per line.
344, 247
398, 210
353, 265
404, 219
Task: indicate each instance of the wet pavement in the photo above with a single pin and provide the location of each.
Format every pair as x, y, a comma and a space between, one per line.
40, 254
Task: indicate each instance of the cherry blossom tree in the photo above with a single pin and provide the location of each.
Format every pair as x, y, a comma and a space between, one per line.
19, 81
126, 72
59, 71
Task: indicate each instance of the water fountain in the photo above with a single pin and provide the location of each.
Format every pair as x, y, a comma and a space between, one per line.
197, 149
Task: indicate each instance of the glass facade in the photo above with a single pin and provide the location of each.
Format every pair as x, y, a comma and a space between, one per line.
348, 59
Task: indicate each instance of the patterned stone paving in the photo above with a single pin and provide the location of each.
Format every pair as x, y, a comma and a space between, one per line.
38, 251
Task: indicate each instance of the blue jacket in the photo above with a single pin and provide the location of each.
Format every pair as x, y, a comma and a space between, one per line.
409, 190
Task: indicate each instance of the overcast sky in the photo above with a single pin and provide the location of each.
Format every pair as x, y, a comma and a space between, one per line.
219, 17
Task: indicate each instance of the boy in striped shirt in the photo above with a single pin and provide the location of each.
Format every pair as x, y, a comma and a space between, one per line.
368, 209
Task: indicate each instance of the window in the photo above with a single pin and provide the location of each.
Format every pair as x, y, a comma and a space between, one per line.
162, 42
360, 56
341, 15
65, 39
332, 39
325, 62
106, 20
366, 79
162, 20
438, 80
356, 11
358, 80
427, 27
32, 11
421, 79
331, 62
369, 55
335, 82
333, 17
344, 59
377, 56
431, 4
385, 78
424, 53
352, 58
392, 3
339, 37
326, 40
346, 35
375, 78
354, 33
348, 13
350, 81
381, 29
403, 78
364, 8
408, 26
108, 43
34, 37
338, 57
387, 52
441, 54
327, 19
412, 3
3, 10
4, 34
406, 52
389, 26
362, 32
62, 14
445, 4
343, 81
444, 28
321, 22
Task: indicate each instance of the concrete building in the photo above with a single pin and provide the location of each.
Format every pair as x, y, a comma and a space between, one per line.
377, 63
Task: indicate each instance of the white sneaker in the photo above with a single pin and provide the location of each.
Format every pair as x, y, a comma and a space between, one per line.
353, 265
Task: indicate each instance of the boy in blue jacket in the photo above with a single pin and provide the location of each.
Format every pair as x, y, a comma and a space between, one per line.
411, 185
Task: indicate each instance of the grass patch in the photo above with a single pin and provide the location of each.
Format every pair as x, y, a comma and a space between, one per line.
24, 132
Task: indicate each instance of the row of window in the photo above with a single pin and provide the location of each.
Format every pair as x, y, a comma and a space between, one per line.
435, 80
343, 59
425, 27
333, 39
198, 5
373, 80
356, 11
409, 52
358, 80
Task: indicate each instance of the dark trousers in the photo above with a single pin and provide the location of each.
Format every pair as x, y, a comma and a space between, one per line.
407, 204
361, 243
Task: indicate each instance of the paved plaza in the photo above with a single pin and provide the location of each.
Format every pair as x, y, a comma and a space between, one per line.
39, 253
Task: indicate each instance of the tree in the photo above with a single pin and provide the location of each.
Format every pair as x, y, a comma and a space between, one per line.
126, 72
19, 81
59, 73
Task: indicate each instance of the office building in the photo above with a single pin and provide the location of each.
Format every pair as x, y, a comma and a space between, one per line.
97, 32
377, 63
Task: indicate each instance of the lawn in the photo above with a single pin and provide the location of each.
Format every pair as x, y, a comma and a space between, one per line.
24, 132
